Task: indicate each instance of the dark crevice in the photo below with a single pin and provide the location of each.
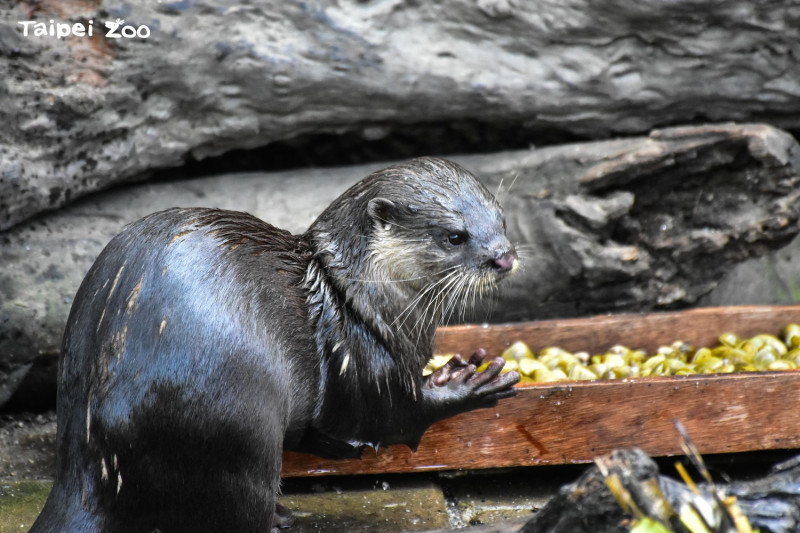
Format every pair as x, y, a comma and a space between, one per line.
37, 391
376, 144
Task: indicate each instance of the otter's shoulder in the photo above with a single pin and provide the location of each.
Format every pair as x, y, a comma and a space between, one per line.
229, 229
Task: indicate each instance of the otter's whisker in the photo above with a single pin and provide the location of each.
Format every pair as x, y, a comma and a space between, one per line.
421, 295
459, 299
441, 299
502, 195
453, 298
484, 286
406, 312
434, 303
490, 295
510, 187
491, 301
524, 249
469, 296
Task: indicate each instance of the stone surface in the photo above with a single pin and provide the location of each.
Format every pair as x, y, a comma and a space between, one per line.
20, 504
635, 224
410, 506
81, 113
770, 279
399, 505
27, 447
491, 497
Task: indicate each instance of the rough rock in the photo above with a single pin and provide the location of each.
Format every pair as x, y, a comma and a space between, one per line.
634, 224
770, 279
81, 113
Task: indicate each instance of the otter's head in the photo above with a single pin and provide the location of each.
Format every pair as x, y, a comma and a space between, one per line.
434, 223
427, 227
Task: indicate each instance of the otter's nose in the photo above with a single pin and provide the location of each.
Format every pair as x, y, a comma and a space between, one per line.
504, 261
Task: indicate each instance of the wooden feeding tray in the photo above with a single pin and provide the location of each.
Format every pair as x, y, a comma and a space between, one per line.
573, 422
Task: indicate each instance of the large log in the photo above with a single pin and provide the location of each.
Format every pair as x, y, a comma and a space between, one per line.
636, 224
82, 113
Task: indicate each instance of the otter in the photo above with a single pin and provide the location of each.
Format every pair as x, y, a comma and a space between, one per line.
203, 342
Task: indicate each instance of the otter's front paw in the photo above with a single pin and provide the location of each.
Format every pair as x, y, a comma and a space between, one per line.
458, 381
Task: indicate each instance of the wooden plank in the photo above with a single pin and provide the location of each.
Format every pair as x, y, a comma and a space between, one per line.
700, 327
574, 422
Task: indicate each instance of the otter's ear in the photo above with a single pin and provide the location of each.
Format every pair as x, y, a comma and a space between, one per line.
381, 211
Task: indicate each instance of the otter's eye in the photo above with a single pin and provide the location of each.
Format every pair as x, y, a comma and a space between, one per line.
457, 238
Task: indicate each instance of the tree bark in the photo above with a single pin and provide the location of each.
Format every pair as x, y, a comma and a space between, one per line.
82, 113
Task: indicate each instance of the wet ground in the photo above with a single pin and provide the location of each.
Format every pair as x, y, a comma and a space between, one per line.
390, 503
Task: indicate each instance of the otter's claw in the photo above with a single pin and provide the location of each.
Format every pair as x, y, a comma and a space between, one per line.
459, 382
456, 367
491, 385
478, 357
446, 373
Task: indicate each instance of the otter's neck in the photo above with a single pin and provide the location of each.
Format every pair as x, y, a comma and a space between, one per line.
366, 325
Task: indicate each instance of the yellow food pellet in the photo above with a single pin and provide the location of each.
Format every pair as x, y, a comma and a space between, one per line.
730, 339
791, 336
578, 371
782, 365
529, 366
517, 351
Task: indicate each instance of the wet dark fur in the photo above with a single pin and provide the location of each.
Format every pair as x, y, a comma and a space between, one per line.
203, 342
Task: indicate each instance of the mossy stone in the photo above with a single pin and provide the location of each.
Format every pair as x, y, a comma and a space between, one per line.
20, 504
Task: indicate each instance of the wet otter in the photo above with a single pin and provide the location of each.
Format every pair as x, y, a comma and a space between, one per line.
204, 342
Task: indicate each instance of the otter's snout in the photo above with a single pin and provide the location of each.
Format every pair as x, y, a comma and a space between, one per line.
504, 261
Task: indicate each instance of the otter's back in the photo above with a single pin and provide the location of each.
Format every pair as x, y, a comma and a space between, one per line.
173, 354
